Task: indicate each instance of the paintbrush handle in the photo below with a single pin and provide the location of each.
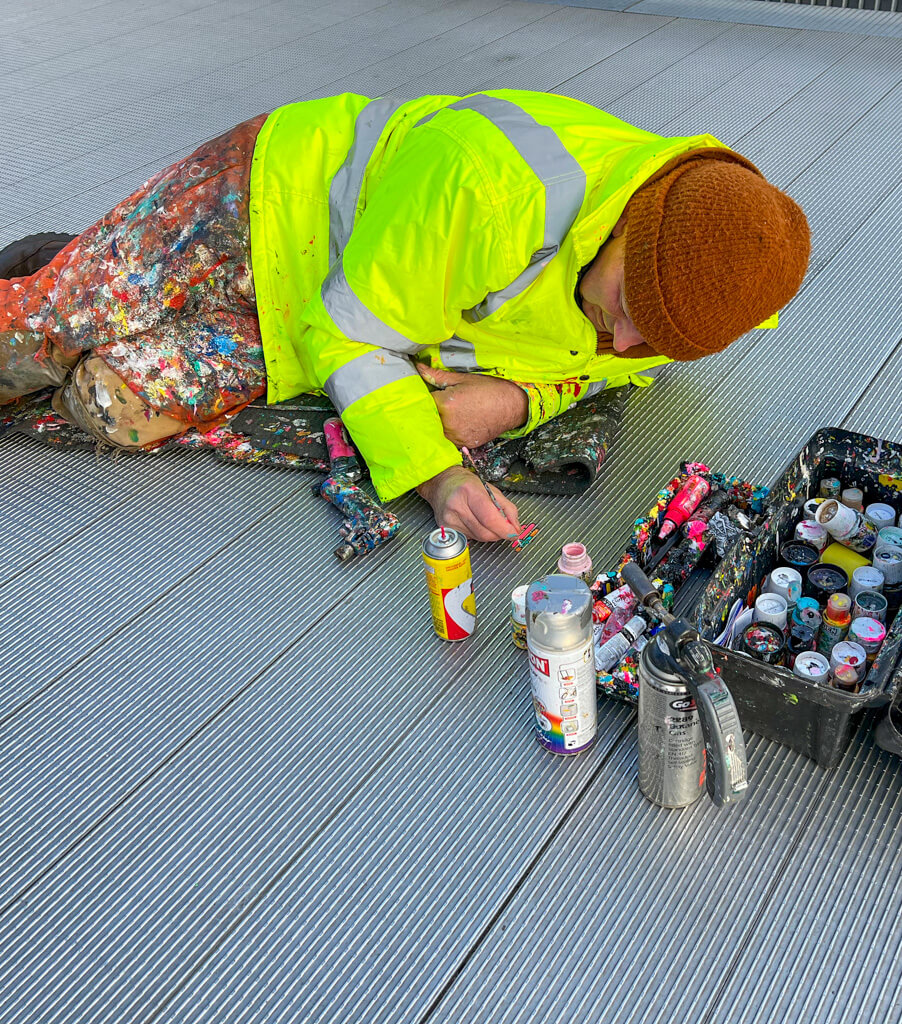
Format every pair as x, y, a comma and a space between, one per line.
479, 477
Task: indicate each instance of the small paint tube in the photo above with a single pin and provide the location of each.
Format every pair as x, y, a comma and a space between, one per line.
881, 515
812, 666
609, 653
667, 592
605, 583
622, 610
619, 599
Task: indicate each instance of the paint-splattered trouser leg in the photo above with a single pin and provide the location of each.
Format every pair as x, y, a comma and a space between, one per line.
160, 291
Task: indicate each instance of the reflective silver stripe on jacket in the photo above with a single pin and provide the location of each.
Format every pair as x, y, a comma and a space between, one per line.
364, 374
552, 164
348, 313
458, 354
353, 318
593, 389
344, 192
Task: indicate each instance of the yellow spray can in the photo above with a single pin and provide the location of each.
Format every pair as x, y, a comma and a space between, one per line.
450, 581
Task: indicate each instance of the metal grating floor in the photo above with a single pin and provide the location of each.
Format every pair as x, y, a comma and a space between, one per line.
241, 782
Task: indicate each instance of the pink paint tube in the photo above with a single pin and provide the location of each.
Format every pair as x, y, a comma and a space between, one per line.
688, 498
342, 457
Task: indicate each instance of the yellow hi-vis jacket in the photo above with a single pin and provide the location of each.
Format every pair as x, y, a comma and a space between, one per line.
445, 230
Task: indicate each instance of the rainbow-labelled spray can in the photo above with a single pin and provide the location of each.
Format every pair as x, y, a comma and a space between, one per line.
450, 581
561, 663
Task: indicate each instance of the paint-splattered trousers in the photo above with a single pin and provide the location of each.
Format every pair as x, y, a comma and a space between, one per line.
146, 323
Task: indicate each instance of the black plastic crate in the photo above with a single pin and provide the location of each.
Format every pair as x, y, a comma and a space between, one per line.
814, 719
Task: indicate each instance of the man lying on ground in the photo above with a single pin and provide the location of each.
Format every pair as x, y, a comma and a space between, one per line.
514, 251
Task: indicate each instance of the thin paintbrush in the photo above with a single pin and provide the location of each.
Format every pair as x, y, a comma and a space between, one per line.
488, 490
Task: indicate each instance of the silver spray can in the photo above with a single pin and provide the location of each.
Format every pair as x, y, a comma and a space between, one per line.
671, 742
561, 663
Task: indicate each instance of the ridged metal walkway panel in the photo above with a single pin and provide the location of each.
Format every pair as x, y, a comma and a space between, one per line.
654, 907
242, 782
844, 870
77, 596
879, 411
513, 40
217, 825
813, 17
101, 729
81, 491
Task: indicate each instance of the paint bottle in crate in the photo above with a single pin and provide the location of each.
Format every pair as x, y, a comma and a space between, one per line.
848, 526
835, 624
561, 663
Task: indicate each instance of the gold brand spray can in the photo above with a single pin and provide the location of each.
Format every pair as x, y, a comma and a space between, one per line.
450, 581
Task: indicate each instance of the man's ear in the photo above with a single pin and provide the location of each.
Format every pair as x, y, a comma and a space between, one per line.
618, 229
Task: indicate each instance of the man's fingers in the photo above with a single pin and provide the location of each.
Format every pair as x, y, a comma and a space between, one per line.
509, 507
439, 378
426, 373
488, 518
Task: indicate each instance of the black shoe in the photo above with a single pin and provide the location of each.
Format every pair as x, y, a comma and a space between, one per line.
24, 257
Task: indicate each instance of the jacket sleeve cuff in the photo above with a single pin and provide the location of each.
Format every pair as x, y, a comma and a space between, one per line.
545, 402
399, 433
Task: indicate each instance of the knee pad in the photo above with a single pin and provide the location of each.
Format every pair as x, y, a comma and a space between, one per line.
99, 402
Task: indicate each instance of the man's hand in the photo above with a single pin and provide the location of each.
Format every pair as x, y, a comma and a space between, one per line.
458, 500
475, 408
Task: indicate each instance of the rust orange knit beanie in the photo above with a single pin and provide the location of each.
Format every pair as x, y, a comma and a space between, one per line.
712, 250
